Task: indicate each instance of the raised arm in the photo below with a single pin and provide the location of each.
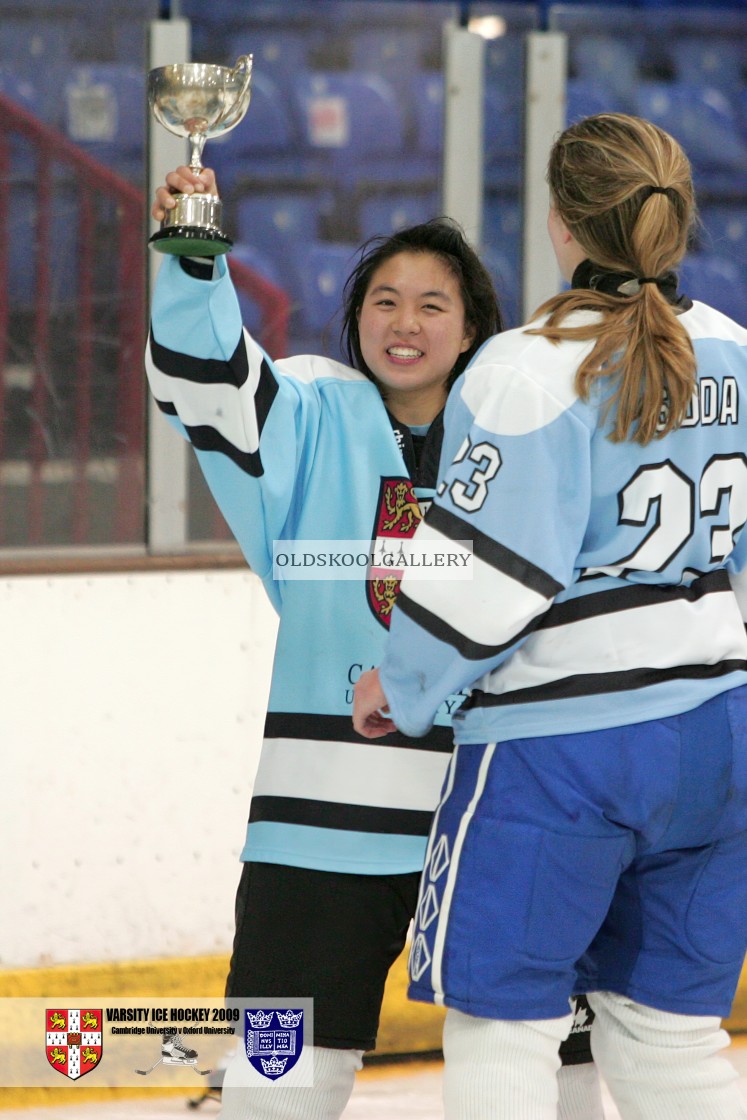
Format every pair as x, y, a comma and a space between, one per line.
253, 427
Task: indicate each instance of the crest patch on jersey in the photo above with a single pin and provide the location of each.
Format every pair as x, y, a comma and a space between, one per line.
398, 515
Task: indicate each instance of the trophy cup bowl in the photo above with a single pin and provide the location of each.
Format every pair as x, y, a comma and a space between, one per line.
197, 101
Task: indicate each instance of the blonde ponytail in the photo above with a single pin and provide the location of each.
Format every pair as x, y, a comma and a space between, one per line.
623, 188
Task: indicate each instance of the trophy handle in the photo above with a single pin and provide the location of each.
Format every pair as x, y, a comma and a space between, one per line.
236, 112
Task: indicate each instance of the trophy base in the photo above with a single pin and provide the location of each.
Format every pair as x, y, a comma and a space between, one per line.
191, 241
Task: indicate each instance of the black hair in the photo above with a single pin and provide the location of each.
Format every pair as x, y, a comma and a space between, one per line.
445, 239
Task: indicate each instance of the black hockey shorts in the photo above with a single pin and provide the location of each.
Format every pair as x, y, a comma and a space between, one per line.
333, 937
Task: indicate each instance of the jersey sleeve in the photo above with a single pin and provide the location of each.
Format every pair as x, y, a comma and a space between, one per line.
252, 427
516, 498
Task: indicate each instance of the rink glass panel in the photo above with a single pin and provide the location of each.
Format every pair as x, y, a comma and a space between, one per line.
72, 274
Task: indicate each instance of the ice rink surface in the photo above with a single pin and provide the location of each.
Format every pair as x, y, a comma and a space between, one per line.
396, 1091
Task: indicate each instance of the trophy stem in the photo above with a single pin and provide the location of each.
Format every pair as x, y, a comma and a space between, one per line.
197, 141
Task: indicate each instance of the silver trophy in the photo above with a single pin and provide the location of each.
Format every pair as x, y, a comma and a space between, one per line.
197, 101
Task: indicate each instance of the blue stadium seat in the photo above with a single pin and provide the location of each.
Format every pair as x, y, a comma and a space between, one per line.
235, 11
20, 88
502, 125
609, 60
503, 107
130, 39
105, 112
716, 280
504, 59
393, 53
263, 146
739, 101
389, 51
352, 124
502, 130
501, 225
724, 232
505, 274
324, 268
279, 224
705, 123
357, 113
260, 263
502, 250
38, 51
587, 96
279, 53
62, 253
429, 112
709, 60
22, 162
387, 213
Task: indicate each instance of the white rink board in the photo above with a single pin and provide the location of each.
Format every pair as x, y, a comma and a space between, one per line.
131, 719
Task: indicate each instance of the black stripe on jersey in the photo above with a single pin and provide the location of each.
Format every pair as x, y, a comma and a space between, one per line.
632, 596
208, 439
212, 371
493, 553
203, 371
339, 729
472, 651
264, 394
591, 684
333, 814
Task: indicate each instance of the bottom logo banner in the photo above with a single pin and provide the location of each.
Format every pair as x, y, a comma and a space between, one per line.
94, 1041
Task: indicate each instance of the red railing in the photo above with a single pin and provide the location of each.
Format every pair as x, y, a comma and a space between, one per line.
123, 249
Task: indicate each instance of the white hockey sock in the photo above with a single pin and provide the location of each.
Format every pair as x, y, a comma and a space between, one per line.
661, 1066
334, 1076
580, 1092
500, 1069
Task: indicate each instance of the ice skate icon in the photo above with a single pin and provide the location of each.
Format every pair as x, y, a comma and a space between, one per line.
174, 1052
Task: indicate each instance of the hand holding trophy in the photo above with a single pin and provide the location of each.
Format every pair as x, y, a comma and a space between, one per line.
197, 101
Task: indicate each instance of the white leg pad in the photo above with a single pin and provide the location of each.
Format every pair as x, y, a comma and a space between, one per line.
580, 1093
496, 1068
334, 1076
662, 1066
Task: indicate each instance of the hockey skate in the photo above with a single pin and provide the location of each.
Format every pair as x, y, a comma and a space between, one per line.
175, 1053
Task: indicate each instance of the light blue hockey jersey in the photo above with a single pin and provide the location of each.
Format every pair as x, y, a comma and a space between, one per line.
602, 583
303, 450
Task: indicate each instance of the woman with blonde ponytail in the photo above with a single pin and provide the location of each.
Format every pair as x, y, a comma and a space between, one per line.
592, 830
623, 198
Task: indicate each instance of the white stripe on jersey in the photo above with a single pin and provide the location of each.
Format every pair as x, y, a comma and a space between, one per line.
470, 612
703, 321
703, 632
351, 773
503, 397
739, 587
313, 367
215, 404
